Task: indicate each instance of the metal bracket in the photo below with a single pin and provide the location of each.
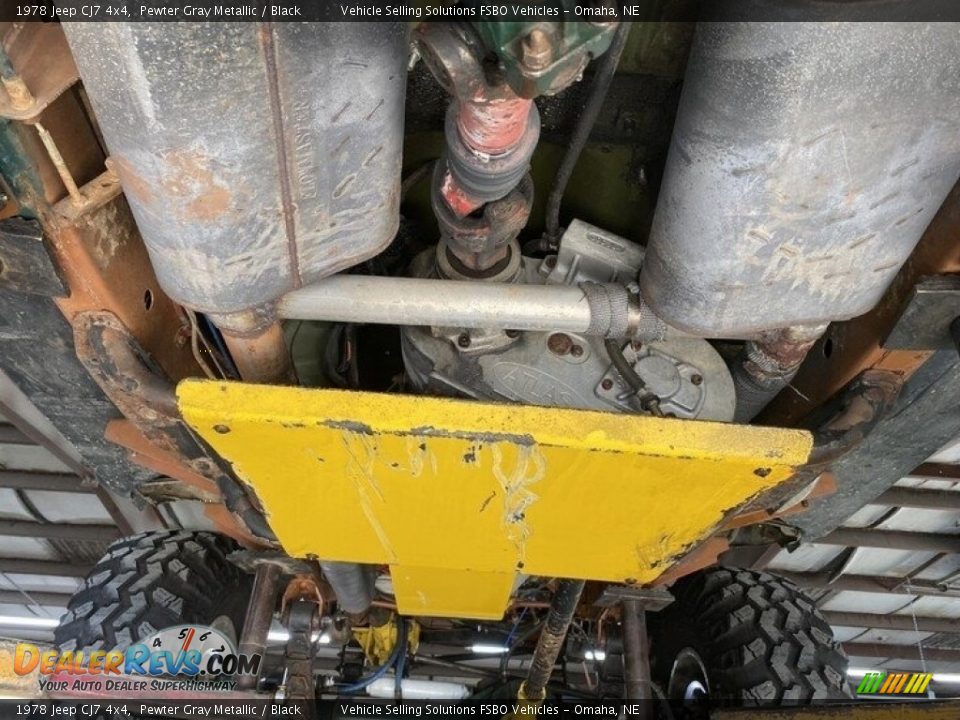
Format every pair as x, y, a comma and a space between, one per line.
133, 382
924, 322
302, 618
40, 55
250, 560
650, 599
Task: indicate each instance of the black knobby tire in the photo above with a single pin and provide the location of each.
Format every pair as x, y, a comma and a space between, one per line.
151, 581
759, 637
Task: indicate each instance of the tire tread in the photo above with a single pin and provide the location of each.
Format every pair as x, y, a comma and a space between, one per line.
761, 638
147, 582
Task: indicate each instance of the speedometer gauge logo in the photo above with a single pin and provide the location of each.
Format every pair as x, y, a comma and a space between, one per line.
200, 643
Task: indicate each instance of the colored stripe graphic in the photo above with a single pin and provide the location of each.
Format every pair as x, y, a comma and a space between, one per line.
890, 681
914, 682
870, 683
894, 683
903, 681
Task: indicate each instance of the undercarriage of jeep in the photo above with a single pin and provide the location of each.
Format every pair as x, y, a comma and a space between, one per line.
490, 355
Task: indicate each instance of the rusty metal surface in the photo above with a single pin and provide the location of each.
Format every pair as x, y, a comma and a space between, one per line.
841, 429
925, 322
850, 347
163, 490
147, 454
714, 548
127, 374
59, 163
262, 356
242, 188
42, 59
256, 623
767, 365
302, 618
887, 445
704, 555
90, 197
490, 131
479, 246
551, 639
491, 118
493, 122
822, 487
177, 481
636, 656
104, 265
134, 383
36, 352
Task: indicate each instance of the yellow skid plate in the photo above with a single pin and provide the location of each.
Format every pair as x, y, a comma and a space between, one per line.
458, 497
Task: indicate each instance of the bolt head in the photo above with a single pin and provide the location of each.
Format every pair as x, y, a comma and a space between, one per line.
463, 340
537, 50
560, 344
607, 384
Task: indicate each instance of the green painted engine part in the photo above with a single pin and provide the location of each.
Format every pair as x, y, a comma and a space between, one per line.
560, 53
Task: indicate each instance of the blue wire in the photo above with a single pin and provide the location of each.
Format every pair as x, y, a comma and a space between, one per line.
401, 660
376, 674
513, 630
217, 338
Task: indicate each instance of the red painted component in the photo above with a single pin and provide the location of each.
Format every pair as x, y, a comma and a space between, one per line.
458, 200
492, 123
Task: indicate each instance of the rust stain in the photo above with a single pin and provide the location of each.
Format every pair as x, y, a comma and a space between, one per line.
131, 181
211, 207
702, 556
192, 179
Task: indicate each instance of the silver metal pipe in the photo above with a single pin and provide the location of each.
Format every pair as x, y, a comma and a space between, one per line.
352, 583
444, 303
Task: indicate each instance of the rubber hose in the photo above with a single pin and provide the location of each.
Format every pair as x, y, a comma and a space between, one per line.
586, 121
550, 642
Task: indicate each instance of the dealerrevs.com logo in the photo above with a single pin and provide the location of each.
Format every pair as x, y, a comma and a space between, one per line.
883, 683
184, 657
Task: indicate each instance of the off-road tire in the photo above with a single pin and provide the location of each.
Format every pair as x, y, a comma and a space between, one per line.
151, 581
760, 638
